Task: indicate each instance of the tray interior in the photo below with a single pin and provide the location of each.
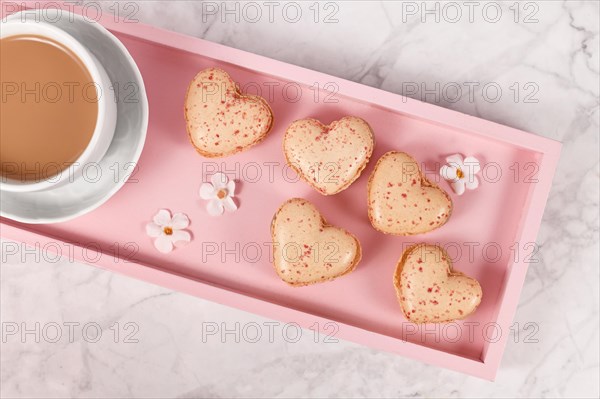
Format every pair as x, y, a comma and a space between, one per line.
233, 251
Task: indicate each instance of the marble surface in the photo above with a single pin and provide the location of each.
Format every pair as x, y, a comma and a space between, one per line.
162, 348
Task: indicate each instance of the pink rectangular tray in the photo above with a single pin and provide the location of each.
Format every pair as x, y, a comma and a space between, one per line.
503, 214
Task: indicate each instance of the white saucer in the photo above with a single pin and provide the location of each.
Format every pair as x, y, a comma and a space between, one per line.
89, 192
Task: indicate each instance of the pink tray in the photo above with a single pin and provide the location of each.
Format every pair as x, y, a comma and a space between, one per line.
363, 304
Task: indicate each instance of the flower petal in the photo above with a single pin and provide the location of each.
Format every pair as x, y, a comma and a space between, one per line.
207, 191
180, 221
471, 165
448, 172
219, 180
471, 182
231, 188
164, 244
153, 230
229, 204
214, 207
455, 160
458, 186
162, 218
181, 236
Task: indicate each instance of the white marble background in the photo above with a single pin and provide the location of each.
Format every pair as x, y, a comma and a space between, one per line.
381, 44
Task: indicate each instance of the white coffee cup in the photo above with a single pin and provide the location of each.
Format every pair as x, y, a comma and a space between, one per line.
107, 107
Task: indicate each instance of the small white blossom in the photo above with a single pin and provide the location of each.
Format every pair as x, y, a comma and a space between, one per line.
219, 193
461, 173
168, 230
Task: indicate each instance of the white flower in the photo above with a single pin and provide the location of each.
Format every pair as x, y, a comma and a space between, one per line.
461, 173
167, 231
219, 194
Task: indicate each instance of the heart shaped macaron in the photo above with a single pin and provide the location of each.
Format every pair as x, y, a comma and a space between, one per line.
329, 157
306, 249
401, 199
220, 120
429, 291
